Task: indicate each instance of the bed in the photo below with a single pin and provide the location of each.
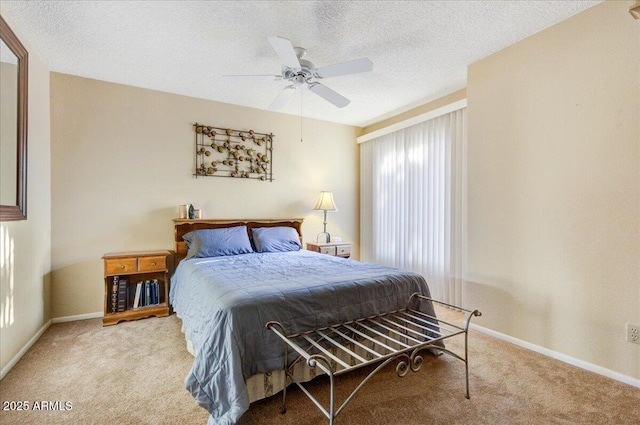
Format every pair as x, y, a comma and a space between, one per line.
225, 301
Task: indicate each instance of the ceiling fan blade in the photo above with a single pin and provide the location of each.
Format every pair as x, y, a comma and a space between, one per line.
344, 68
329, 95
282, 97
264, 76
284, 50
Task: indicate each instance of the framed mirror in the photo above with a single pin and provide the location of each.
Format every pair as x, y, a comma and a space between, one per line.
14, 65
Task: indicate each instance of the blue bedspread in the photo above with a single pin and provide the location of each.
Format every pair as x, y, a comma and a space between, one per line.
225, 302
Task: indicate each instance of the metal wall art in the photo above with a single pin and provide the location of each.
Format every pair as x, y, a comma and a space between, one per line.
222, 152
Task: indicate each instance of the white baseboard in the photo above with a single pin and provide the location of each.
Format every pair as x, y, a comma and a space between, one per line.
85, 316
24, 349
559, 356
38, 334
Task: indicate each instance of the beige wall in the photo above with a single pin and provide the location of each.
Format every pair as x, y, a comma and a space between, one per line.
554, 188
25, 258
122, 162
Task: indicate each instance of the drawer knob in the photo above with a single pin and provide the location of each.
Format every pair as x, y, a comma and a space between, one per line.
122, 266
153, 263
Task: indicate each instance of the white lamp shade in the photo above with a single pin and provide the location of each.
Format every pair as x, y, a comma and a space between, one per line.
325, 202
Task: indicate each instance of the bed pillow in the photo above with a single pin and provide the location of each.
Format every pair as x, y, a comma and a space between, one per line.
276, 239
217, 242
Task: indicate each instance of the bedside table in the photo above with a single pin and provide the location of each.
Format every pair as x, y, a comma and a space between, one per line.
125, 274
338, 249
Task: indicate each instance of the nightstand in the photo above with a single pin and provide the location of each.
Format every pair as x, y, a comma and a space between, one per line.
136, 285
338, 249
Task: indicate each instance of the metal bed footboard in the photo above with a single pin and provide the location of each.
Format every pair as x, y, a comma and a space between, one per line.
383, 338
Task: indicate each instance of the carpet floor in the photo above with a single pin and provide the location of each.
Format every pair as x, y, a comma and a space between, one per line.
133, 373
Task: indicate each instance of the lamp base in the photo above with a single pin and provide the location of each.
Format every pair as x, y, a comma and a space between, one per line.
323, 237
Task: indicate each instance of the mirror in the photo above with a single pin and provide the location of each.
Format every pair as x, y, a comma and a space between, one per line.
13, 125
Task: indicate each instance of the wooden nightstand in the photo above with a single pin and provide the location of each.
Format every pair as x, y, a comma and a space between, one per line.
339, 249
124, 273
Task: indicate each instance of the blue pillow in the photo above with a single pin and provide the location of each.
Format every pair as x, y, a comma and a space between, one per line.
276, 239
217, 242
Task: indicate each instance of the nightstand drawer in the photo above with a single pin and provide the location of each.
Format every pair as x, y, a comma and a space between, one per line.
120, 266
340, 249
150, 264
343, 250
331, 250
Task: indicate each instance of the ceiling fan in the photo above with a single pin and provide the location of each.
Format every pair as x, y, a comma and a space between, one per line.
302, 73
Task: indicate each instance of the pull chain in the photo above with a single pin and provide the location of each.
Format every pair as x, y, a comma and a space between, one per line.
300, 116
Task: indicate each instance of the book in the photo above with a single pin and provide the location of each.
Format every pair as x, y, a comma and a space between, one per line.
153, 292
122, 295
114, 294
136, 299
156, 291
147, 292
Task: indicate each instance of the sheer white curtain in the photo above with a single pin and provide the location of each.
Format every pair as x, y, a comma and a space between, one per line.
412, 196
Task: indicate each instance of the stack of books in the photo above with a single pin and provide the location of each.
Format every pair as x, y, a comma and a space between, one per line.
142, 294
146, 293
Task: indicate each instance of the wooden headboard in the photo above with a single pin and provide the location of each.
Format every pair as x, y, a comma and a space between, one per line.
183, 226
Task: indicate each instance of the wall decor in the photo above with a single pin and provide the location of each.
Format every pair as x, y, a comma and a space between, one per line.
223, 152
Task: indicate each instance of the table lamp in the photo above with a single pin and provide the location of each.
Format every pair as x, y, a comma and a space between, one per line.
325, 203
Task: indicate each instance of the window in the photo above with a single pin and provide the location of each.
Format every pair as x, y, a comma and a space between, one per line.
413, 201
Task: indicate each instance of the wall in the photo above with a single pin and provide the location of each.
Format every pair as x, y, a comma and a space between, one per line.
554, 188
122, 162
25, 259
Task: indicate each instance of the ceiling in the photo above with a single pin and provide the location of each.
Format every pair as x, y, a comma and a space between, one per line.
420, 50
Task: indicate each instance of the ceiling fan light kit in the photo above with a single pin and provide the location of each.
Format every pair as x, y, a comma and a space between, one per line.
301, 72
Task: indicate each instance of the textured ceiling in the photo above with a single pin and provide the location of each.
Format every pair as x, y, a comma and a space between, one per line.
420, 50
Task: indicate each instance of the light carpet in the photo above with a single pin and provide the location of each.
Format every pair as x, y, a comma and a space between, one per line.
133, 373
